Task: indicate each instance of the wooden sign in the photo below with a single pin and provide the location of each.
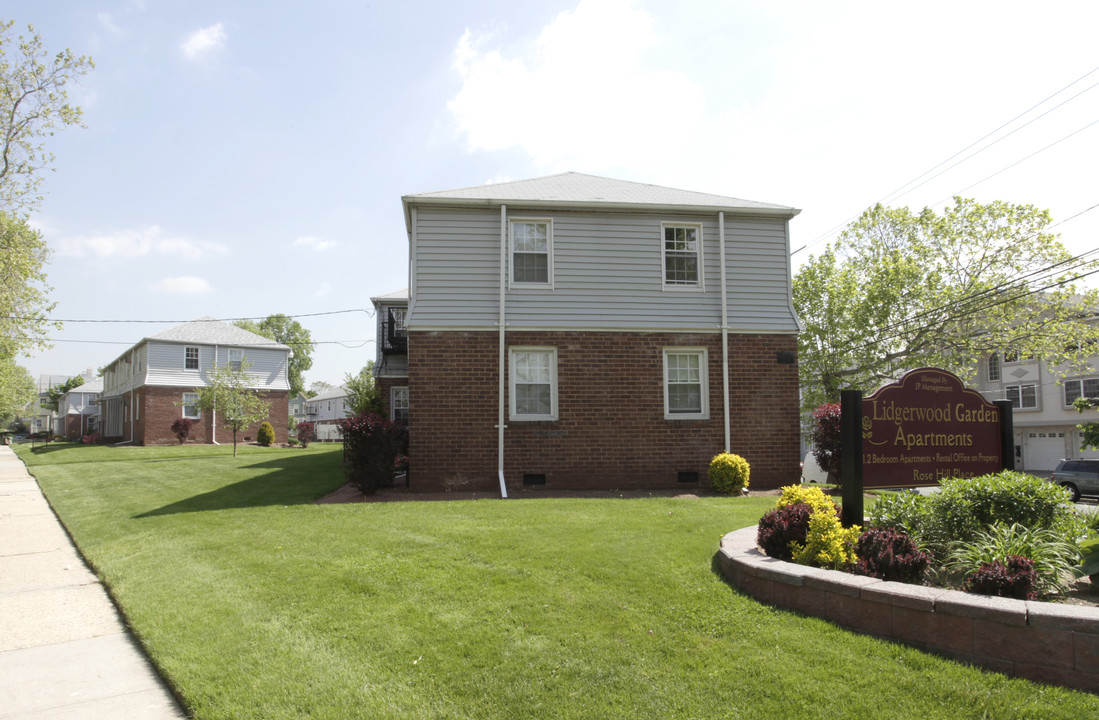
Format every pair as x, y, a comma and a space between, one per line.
926, 428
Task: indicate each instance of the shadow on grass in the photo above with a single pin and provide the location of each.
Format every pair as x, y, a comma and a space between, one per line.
280, 481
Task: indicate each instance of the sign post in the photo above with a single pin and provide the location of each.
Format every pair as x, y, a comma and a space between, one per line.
851, 407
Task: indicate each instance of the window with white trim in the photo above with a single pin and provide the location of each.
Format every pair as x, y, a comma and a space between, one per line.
190, 406
398, 404
190, 358
1088, 388
236, 358
682, 256
994, 367
1022, 397
686, 384
531, 252
532, 377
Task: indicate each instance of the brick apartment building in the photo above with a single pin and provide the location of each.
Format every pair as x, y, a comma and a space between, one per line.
580, 332
155, 382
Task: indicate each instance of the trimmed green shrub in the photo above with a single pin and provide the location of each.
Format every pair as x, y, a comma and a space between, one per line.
890, 555
905, 512
266, 434
1052, 557
728, 474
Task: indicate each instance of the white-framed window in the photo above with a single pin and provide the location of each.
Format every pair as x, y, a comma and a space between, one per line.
1088, 388
398, 404
190, 406
236, 358
532, 375
531, 252
1022, 397
398, 315
994, 367
686, 384
681, 256
190, 358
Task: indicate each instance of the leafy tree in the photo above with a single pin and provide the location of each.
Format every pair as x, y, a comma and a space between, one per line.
16, 390
362, 393
24, 294
53, 395
230, 394
317, 387
33, 104
900, 291
284, 329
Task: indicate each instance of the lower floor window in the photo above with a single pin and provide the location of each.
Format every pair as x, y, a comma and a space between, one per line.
686, 387
1022, 396
398, 404
533, 383
190, 406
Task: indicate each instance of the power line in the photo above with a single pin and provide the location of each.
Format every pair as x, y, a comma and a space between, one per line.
831, 231
181, 322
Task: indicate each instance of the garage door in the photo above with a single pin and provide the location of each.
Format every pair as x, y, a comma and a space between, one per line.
1043, 450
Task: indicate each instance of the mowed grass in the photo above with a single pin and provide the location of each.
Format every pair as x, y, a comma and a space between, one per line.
257, 603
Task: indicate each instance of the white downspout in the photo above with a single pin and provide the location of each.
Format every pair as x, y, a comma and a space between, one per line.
503, 286
214, 411
132, 406
724, 330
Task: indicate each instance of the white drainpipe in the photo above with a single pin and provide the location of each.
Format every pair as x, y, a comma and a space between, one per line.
724, 330
500, 417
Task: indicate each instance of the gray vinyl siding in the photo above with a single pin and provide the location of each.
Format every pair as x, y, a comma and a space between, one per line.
165, 366
607, 273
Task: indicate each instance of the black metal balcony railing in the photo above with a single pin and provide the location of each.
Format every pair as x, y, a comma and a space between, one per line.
394, 339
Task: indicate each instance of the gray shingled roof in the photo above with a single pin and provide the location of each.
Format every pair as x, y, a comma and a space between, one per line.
578, 188
209, 331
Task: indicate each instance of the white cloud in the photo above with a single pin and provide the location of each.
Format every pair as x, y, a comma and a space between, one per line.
106, 21
202, 42
183, 286
142, 242
581, 97
315, 243
325, 288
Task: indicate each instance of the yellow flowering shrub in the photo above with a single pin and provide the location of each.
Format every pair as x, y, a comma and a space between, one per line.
728, 473
827, 543
811, 496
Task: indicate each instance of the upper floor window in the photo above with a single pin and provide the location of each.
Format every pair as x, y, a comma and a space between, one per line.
236, 358
1022, 397
682, 256
994, 367
398, 315
1088, 388
398, 404
190, 358
533, 383
686, 386
531, 252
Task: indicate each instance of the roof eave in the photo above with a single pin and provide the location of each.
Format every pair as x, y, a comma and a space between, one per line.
410, 200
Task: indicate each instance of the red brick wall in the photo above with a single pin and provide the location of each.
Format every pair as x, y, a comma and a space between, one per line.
384, 385
160, 407
611, 431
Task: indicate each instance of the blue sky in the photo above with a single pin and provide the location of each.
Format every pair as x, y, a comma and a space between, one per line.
247, 158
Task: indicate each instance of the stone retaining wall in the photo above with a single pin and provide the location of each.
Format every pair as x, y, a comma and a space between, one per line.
1047, 642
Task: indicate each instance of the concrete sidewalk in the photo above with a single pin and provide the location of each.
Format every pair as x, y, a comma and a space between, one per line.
64, 652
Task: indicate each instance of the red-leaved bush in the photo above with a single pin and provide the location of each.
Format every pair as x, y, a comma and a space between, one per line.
182, 429
890, 555
781, 526
1013, 579
306, 433
825, 436
371, 445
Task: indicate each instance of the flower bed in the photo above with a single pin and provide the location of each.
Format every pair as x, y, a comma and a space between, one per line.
1047, 642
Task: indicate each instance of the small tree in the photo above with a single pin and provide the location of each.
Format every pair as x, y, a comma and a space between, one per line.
825, 436
182, 429
229, 394
362, 393
53, 395
306, 433
371, 444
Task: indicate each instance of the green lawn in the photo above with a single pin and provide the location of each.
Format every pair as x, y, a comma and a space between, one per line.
256, 603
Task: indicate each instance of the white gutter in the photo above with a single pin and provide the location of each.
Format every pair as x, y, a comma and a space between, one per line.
724, 330
503, 286
132, 406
